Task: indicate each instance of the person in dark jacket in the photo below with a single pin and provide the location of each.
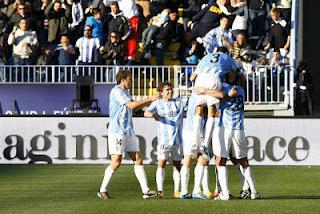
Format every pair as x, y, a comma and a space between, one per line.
113, 51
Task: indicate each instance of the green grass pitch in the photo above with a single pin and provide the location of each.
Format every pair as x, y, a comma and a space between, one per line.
72, 189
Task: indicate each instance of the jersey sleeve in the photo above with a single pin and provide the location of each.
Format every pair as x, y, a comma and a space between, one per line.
153, 107
121, 97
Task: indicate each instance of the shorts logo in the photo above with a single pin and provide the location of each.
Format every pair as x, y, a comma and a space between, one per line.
118, 144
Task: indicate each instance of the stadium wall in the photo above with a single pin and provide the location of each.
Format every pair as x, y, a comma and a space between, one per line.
83, 140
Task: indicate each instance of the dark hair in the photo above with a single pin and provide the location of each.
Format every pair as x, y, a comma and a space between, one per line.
162, 85
115, 3
96, 11
223, 50
302, 66
122, 74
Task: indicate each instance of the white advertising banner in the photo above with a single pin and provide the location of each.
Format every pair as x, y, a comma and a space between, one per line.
83, 140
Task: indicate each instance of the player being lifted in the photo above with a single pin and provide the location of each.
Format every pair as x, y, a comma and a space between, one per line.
209, 74
121, 137
168, 112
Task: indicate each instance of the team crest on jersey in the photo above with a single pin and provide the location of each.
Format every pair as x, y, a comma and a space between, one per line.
215, 9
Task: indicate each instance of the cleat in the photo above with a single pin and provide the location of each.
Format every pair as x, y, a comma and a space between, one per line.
204, 152
103, 195
244, 194
255, 196
149, 194
160, 195
208, 195
186, 196
199, 196
176, 194
221, 197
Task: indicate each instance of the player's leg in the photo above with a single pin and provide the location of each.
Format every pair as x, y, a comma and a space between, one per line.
217, 188
160, 174
133, 151
197, 124
245, 191
205, 183
240, 150
208, 132
185, 175
117, 144
198, 175
221, 147
177, 156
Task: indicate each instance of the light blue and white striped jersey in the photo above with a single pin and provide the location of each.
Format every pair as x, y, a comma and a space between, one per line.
88, 48
232, 109
211, 40
213, 64
120, 115
171, 122
191, 113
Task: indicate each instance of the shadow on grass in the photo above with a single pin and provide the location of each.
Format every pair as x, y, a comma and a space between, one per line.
294, 197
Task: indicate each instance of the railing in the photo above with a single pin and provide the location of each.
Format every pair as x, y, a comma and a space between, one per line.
268, 87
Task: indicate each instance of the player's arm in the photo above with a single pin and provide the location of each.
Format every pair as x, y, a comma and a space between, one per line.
193, 76
211, 92
149, 114
136, 105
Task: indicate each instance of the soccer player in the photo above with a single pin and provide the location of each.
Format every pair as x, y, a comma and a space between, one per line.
121, 137
191, 152
168, 112
229, 136
209, 74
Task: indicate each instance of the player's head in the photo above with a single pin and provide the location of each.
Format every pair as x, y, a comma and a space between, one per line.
124, 77
232, 77
165, 89
223, 50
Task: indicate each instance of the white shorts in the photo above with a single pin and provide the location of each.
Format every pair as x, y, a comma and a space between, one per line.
207, 100
229, 141
119, 143
190, 148
163, 152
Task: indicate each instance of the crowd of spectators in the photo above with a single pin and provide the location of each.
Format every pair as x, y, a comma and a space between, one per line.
105, 32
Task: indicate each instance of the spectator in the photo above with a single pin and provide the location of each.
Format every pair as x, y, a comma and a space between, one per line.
12, 8
24, 43
130, 10
241, 49
65, 51
239, 23
257, 17
165, 36
97, 25
189, 9
284, 7
47, 57
279, 33
117, 22
156, 22
77, 16
42, 29
88, 48
303, 80
145, 4
206, 19
22, 12
58, 20
218, 37
113, 52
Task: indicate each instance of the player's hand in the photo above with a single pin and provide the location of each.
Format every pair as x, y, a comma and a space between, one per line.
232, 92
200, 90
155, 96
156, 117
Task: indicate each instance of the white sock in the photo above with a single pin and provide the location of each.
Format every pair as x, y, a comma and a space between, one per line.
223, 179
205, 180
198, 174
106, 179
247, 172
209, 128
142, 177
176, 179
161, 173
243, 182
217, 187
185, 175
196, 129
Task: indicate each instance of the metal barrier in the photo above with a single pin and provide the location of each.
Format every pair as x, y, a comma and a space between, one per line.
268, 87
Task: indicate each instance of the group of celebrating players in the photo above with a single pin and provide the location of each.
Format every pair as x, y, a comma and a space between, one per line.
215, 118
